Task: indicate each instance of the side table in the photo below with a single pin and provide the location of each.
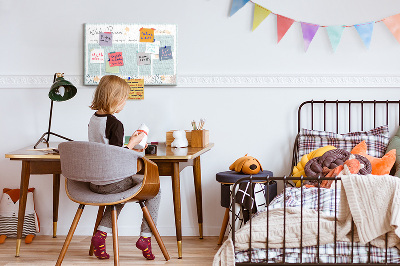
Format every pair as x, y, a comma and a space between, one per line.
228, 178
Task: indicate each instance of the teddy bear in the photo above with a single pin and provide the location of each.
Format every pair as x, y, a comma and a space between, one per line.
9, 205
180, 140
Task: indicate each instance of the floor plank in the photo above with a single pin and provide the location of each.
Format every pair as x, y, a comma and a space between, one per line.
44, 251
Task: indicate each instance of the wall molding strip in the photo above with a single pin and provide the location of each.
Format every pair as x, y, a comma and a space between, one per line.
242, 81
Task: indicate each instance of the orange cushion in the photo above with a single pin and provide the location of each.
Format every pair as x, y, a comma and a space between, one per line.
380, 166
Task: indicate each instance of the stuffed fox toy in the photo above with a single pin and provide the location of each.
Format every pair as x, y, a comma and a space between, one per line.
246, 165
9, 205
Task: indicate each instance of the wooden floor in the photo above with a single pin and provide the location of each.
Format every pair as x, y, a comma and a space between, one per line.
44, 250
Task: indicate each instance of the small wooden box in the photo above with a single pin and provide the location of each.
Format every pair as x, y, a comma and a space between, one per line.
200, 138
170, 138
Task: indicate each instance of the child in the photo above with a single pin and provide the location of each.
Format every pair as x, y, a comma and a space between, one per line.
110, 98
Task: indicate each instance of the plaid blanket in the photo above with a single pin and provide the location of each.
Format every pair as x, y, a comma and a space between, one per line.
326, 252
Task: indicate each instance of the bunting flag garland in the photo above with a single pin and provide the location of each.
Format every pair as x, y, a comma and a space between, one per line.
260, 13
283, 25
365, 32
236, 5
393, 24
309, 30
335, 34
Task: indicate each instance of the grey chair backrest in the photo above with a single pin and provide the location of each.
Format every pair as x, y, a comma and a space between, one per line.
90, 161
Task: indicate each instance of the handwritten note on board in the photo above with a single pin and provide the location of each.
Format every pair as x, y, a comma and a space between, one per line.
116, 59
109, 69
97, 56
137, 89
165, 53
105, 39
146, 35
153, 48
143, 59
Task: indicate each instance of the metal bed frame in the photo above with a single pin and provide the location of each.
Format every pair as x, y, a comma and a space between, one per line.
337, 109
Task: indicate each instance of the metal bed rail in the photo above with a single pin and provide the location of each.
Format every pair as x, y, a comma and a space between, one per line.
344, 116
285, 180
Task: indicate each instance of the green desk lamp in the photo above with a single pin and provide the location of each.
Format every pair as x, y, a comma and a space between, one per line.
61, 90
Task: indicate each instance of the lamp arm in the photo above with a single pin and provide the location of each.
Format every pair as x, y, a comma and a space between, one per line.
50, 116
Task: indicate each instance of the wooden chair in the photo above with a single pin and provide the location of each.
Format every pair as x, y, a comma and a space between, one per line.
83, 162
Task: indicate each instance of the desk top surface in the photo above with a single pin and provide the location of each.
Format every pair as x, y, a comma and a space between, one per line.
163, 153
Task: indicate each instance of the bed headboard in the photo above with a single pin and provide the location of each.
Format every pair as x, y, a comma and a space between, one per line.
347, 116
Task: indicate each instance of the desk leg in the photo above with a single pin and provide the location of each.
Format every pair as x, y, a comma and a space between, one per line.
197, 187
176, 190
56, 199
25, 175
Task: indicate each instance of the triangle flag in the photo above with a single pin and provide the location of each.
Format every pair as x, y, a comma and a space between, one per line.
335, 34
283, 25
236, 5
260, 13
393, 23
365, 32
309, 31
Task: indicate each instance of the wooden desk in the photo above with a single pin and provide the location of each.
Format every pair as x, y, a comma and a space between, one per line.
170, 162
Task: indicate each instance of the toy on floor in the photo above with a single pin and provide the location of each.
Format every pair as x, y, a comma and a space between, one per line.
246, 165
9, 205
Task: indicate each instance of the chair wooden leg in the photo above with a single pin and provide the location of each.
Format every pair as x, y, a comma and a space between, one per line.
223, 227
115, 235
98, 220
70, 234
154, 230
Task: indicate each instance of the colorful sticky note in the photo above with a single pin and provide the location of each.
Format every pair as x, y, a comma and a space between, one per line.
97, 56
143, 59
146, 35
115, 59
165, 53
153, 48
137, 88
105, 39
114, 69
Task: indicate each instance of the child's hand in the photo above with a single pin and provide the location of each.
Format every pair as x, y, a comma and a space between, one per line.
135, 139
141, 150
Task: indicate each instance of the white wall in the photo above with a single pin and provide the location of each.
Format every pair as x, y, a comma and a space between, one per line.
40, 38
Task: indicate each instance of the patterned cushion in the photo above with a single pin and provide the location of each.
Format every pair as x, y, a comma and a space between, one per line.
377, 139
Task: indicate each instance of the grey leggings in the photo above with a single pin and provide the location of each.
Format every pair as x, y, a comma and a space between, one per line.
120, 186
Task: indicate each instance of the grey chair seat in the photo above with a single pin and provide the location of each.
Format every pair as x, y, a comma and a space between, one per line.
80, 192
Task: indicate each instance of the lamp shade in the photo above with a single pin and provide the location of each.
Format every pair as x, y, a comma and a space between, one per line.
62, 90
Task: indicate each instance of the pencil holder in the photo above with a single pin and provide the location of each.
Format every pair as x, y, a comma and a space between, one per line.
199, 138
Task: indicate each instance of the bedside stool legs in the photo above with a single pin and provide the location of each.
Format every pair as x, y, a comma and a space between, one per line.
223, 227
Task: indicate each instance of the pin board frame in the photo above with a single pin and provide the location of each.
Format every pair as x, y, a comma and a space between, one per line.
126, 39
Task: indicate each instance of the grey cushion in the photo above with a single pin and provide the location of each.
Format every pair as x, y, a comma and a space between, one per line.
96, 162
394, 143
79, 191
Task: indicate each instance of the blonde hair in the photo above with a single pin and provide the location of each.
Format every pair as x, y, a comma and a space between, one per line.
109, 93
